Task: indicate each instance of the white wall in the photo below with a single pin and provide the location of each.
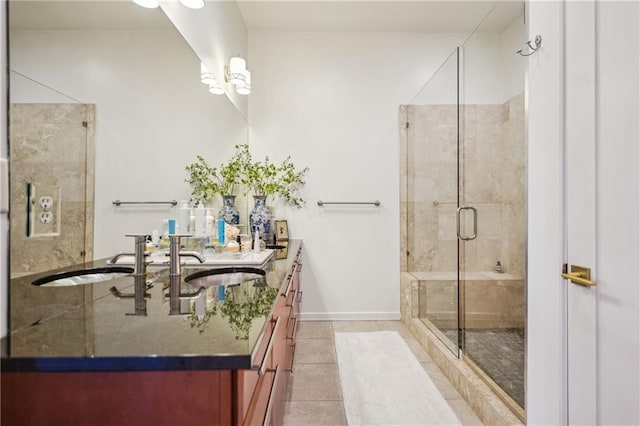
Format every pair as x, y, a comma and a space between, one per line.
545, 375
331, 101
513, 67
152, 117
491, 71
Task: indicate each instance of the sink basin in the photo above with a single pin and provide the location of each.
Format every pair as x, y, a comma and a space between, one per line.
226, 276
83, 276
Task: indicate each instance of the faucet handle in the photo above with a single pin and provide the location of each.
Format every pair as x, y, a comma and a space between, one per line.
186, 253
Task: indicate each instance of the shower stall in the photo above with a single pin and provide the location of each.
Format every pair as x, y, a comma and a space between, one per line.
464, 171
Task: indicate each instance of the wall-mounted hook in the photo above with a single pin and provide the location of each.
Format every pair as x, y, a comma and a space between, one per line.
533, 46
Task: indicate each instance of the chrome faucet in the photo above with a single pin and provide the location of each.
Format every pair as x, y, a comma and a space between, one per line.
139, 275
139, 254
115, 258
175, 274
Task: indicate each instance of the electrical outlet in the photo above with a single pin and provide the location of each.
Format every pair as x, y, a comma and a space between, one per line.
46, 217
46, 202
43, 210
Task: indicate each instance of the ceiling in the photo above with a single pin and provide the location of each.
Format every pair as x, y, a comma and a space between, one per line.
280, 15
378, 16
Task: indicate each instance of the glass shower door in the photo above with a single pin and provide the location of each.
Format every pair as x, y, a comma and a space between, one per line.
432, 173
492, 204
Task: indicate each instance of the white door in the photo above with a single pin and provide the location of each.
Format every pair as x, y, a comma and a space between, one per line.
580, 208
601, 206
583, 356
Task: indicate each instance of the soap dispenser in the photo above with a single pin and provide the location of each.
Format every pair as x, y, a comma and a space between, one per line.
499, 268
200, 221
184, 216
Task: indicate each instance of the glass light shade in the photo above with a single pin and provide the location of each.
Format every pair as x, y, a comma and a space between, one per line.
149, 4
216, 89
193, 4
237, 69
245, 89
206, 76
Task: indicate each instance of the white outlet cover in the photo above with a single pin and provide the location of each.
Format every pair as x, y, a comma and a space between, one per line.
46, 202
46, 217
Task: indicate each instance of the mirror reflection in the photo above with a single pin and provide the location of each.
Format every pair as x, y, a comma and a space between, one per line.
106, 104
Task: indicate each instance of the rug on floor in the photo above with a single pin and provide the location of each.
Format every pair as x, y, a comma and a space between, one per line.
384, 384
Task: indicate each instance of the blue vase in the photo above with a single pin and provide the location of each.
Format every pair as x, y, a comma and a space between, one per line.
260, 217
228, 212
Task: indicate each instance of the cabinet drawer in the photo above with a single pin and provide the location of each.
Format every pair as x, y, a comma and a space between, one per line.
264, 409
261, 356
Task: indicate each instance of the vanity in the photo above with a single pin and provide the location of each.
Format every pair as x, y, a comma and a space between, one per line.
102, 353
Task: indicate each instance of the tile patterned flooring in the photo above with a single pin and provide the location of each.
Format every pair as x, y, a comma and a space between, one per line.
500, 353
315, 396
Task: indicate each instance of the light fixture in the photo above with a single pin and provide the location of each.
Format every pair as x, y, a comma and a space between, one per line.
152, 4
193, 4
245, 89
208, 78
216, 89
149, 4
237, 74
235, 71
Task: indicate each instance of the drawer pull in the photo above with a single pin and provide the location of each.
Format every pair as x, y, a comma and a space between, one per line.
293, 356
262, 367
289, 281
293, 299
272, 396
299, 299
295, 325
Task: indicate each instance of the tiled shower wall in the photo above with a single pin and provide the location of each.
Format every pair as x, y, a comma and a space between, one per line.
493, 180
52, 145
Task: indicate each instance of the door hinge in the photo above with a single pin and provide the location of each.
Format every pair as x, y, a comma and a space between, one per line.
85, 124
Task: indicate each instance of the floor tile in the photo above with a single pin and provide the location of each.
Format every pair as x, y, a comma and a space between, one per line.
355, 326
464, 413
440, 380
318, 351
394, 326
417, 349
299, 413
314, 330
315, 382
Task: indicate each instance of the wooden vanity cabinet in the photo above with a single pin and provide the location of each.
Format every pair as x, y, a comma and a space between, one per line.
196, 397
270, 382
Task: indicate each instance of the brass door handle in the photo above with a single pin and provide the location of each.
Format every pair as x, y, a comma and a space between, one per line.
578, 275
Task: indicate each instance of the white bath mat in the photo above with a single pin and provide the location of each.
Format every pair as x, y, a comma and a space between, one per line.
384, 384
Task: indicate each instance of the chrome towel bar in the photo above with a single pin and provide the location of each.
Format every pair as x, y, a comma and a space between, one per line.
374, 203
119, 203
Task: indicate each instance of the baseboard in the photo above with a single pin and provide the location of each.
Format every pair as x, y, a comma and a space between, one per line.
349, 316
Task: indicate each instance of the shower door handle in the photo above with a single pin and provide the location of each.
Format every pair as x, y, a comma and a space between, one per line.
475, 223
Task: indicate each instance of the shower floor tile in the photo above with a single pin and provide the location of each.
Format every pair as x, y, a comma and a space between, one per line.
499, 352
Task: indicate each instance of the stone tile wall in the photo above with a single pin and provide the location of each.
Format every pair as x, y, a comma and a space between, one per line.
492, 179
52, 145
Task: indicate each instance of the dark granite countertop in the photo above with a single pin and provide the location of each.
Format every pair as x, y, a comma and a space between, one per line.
87, 328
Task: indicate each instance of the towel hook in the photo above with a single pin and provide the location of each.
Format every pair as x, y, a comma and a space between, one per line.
533, 46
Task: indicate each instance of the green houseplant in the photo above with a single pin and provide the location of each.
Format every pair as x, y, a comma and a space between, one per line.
240, 308
267, 179
207, 181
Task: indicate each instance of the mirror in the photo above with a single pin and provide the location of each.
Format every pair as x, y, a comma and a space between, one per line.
118, 90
